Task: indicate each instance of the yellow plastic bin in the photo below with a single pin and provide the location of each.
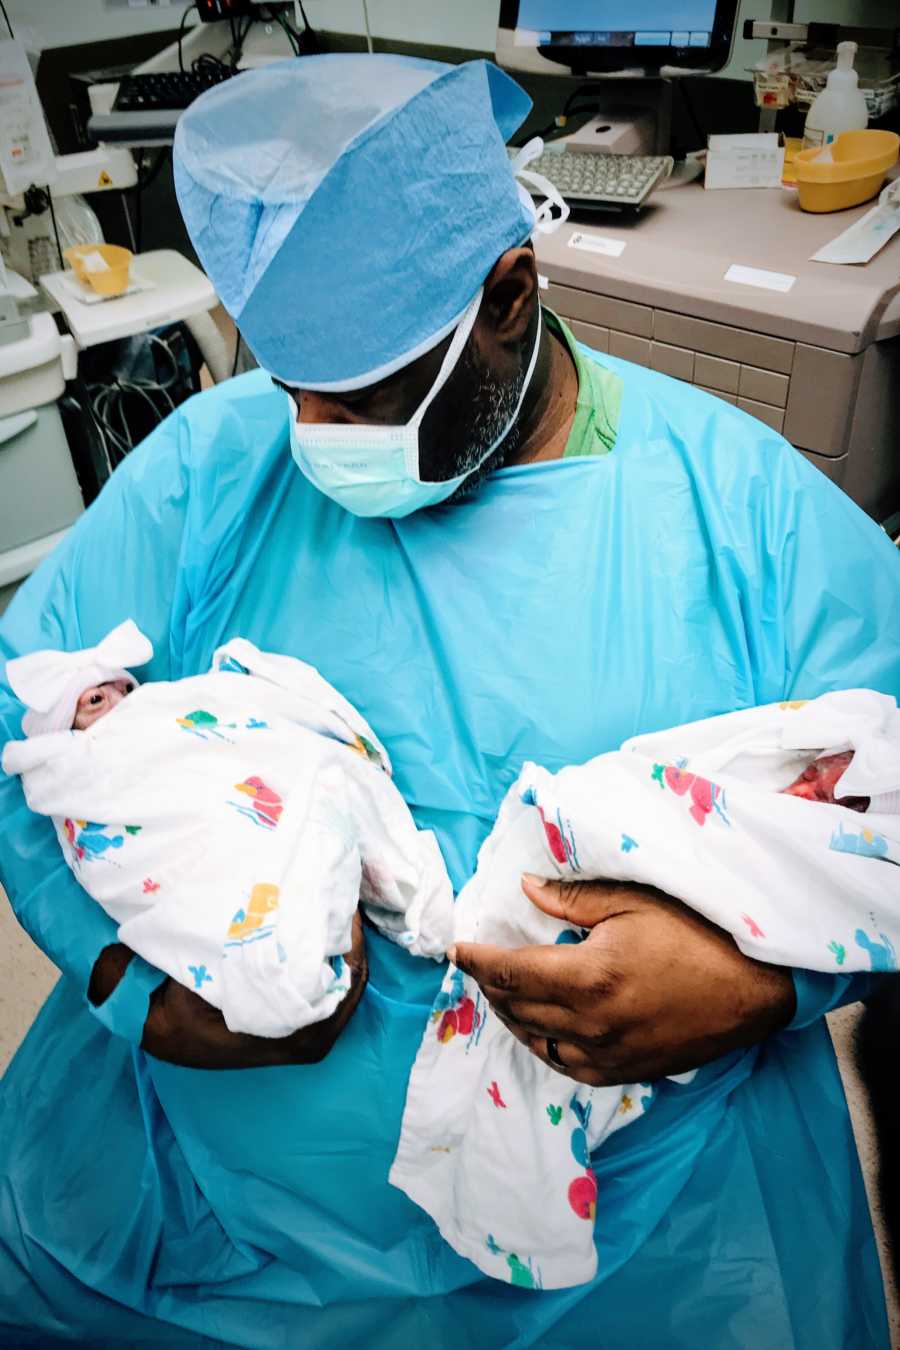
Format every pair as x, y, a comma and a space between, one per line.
111, 279
860, 161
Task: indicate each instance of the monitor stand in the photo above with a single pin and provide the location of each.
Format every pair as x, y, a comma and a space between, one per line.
634, 118
619, 130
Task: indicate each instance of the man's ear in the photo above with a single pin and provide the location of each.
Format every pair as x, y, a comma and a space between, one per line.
510, 293
294, 393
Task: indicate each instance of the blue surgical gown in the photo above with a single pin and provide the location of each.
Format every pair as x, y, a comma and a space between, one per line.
701, 566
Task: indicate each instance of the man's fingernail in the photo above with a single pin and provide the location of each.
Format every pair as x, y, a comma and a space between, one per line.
538, 882
451, 955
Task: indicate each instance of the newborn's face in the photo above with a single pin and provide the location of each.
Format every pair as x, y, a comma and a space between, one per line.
97, 701
817, 782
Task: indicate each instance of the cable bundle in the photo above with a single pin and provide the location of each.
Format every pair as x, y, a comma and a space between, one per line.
112, 405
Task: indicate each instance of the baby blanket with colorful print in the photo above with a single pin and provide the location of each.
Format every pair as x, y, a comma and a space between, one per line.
231, 823
495, 1144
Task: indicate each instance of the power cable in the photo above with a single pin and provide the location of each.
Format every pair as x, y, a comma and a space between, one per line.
55, 229
691, 112
180, 32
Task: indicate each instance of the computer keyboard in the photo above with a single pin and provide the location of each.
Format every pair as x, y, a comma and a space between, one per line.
592, 181
166, 89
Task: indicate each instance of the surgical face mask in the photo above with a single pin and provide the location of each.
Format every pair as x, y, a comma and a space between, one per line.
374, 470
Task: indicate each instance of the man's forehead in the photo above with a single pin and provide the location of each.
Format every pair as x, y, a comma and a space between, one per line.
406, 377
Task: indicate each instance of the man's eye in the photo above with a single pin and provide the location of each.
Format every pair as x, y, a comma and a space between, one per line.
95, 699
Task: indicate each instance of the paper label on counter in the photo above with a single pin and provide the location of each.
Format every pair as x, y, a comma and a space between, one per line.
596, 243
869, 234
754, 160
759, 277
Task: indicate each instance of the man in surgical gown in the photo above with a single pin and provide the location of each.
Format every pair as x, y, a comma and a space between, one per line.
624, 553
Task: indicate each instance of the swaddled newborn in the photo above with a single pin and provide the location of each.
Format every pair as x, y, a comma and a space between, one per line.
230, 822
818, 782
752, 819
815, 784
97, 700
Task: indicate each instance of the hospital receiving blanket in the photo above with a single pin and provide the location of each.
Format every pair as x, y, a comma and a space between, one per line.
495, 1145
231, 823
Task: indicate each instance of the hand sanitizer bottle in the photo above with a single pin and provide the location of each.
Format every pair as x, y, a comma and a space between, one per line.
840, 106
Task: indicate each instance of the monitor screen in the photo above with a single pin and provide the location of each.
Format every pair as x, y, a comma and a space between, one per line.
605, 36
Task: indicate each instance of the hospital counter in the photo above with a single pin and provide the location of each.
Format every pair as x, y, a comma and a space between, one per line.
810, 348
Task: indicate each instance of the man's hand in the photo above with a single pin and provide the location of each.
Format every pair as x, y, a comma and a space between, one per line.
182, 1028
654, 989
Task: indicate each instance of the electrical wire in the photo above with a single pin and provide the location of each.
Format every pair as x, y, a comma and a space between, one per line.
180, 32
138, 208
6, 17
272, 16
291, 35
143, 182
55, 229
108, 405
571, 109
691, 111
170, 356
365, 9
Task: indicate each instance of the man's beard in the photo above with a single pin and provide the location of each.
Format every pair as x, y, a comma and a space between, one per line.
480, 415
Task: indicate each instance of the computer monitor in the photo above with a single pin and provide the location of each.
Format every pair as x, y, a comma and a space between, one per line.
607, 37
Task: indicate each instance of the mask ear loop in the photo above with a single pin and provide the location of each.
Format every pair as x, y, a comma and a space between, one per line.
544, 220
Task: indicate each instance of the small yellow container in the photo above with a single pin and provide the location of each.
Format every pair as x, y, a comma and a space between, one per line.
860, 161
111, 280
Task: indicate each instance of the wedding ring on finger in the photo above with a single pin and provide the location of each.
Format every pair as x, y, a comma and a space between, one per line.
553, 1053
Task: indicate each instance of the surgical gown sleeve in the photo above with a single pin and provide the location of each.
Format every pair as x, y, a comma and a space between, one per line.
829, 614
121, 560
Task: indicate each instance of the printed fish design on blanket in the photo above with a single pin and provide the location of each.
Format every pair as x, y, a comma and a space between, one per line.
233, 666
839, 951
555, 1114
88, 840
881, 954
582, 1192
866, 843
150, 886
267, 805
204, 724
525, 1276
706, 796
363, 746
755, 930
455, 1012
559, 834
583, 1196
248, 925
520, 1274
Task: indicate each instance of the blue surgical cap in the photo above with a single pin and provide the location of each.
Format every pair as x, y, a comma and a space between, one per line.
348, 207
